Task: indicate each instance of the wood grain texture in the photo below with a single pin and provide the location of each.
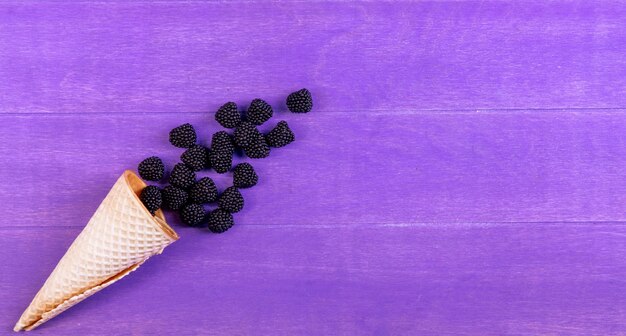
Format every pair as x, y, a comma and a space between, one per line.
156, 56
366, 169
461, 174
428, 280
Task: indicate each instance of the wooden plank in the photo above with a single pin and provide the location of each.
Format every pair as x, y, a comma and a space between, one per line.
344, 168
156, 56
429, 280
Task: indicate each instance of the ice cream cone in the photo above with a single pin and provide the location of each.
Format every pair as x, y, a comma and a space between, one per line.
119, 237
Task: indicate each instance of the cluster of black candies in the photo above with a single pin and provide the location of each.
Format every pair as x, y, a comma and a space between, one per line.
186, 194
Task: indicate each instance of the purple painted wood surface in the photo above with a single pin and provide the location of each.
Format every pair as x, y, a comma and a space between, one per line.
412, 279
462, 172
156, 56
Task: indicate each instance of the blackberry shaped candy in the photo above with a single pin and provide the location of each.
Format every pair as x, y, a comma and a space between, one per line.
173, 197
196, 157
204, 191
280, 135
259, 112
257, 149
300, 101
221, 141
228, 116
183, 136
244, 176
245, 134
182, 176
151, 169
221, 154
151, 198
248, 137
220, 221
231, 200
192, 214
222, 161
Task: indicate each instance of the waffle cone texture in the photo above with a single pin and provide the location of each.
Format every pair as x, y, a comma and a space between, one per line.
120, 236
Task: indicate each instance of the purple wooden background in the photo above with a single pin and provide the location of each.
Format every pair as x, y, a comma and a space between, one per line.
462, 173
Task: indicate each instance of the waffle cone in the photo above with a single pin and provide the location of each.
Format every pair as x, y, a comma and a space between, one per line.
119, 237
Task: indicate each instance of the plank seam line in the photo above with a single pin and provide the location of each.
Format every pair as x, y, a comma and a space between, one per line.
564, 110
165, 2
367, 225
